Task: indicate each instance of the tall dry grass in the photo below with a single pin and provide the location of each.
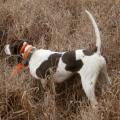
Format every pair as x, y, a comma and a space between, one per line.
58, 25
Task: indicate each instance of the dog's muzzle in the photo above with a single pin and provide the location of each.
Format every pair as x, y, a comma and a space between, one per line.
7, 49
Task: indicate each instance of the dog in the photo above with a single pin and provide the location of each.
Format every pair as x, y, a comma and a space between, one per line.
88, 63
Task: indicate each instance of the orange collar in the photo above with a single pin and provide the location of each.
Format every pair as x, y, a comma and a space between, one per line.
18, 68
26, 53
23, 48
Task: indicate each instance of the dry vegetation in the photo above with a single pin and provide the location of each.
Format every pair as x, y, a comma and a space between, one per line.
58, 25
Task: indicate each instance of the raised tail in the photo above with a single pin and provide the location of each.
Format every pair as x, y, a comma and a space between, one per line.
97, 33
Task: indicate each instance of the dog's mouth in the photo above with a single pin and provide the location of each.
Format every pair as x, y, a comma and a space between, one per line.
7, 49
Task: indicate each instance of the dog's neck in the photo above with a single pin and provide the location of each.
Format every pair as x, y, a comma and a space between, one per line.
25, 47
26, 52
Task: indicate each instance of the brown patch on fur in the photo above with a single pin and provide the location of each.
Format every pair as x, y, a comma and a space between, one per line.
73, 65
89, 51
52, 62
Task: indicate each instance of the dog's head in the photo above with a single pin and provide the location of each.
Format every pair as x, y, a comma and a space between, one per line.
14, 47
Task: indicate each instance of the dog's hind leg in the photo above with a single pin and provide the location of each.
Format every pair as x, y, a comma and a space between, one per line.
88, 83
104, 74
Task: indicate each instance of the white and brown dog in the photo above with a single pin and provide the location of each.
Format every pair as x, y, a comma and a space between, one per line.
87, 63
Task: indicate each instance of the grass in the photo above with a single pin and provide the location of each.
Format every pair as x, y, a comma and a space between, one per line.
58, 25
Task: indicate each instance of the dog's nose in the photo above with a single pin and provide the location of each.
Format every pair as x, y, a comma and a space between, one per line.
7, 49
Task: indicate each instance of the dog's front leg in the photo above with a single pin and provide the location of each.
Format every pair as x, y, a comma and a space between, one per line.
43, 82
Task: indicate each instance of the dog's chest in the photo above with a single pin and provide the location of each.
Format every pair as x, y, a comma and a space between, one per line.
37, 59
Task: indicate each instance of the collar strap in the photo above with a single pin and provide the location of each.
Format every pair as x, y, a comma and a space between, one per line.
27, 52
23, 48
27, 55
26, 58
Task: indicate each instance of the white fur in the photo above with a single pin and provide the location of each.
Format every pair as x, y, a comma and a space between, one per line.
27, 47
97, 33
24, 43
89, 73
79, 54
37, 59
61, 74
7, 49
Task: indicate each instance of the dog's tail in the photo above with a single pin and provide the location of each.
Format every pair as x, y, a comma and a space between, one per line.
97, 33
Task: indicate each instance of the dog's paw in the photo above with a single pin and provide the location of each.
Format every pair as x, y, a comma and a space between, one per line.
109, 82
44, 83
94, 105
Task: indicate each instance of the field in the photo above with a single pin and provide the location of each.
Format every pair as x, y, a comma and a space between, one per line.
58, 25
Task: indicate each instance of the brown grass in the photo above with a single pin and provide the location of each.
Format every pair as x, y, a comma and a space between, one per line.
58, 25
